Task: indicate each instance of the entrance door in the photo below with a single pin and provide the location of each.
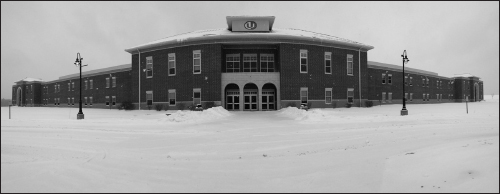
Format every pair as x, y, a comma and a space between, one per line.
233, 100
250, 100
267, 100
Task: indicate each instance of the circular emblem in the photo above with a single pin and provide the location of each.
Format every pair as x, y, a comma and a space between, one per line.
250, 25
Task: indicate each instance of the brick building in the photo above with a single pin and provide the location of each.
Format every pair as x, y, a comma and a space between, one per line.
252, 66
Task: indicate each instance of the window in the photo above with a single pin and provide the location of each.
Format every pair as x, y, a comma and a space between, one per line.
440, 97
350, 95
171, 97
233, 63
428, 97
69, 86
107, 100
303, 61
73, 84
303, 95
85, 84
349, 65
328, 95
389, 80
171, 64
55, 88
423, 82
85, 98
406, 78
149, 67
411, 97
113, 100
266, 63
90, 101
383, 97
328, 63
437, 84
406, 96
427, 82
197, 61
423, 97
91, 84
196, 96
107, 82
389, 97
149, 98
69, 101
73, 101
383, 78
113, 82
249, 62
411, 81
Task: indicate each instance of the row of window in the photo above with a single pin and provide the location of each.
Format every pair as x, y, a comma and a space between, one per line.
328, 62
387, 97
328, 95
71, 86
87, 101
267, 63
425, 81
172, 65
172, 97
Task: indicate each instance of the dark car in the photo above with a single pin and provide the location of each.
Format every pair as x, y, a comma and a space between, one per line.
304, 106
198, 107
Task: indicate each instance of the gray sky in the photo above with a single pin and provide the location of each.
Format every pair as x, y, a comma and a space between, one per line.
41, 39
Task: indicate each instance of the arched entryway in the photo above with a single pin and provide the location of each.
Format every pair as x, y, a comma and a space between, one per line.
268, 97
19, 97
232, 97
250, 97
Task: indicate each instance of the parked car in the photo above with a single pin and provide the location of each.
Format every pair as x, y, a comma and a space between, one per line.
304, 106
198, 107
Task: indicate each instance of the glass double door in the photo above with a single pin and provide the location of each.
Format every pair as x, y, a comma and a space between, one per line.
268, 101
250, 100
233, 101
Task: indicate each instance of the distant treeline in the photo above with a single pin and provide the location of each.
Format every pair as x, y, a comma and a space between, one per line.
6, 102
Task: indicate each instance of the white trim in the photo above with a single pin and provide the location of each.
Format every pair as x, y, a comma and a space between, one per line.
174, 62
151, 94
107, 82
384, 78
389, 78
149, 66
331, 95
249, 58
350, 90
233, 69
383, 97
328, 57
389, 97
113, 82
175, 97
194, 58
349, 56
194, 91
307, 94
303, 51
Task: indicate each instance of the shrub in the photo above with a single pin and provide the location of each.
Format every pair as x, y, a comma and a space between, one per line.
192, 107
127, 105
368, 103
158, 107
334, 104
180, 106
291, 104
348, 105
208, 105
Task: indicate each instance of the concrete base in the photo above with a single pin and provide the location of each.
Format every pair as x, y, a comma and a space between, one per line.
404, 112
79, 116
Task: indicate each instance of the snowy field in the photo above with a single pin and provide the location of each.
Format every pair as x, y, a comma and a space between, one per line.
436, 148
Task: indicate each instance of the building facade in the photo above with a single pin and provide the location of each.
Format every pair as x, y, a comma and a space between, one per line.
250, 66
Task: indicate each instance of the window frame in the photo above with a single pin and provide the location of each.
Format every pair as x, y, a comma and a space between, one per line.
389, 97
328, 60
107, 82
304, 89
91, 84
384, 97
113, 82
384, 78
195, 52
86, 86
267, 61
171, 60
328, 96
351, 64
233, 61
196, 90
107, 100
113, 100
389, 79
149, 66
352, 91
172, 91
303, 51
250, 56
148, 94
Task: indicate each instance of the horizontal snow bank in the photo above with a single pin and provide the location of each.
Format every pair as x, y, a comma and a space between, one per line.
198, 116
299, 114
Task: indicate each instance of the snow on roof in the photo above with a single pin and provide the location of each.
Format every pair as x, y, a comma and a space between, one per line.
464, 75
397, 67
98, 71
29, 79
275, 33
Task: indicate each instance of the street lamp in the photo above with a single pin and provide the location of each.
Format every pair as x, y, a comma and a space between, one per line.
78, 62
404, 111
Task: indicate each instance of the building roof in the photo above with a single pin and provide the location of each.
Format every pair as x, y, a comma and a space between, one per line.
29, 79
98, 71
373, 64
223, 35
467, 75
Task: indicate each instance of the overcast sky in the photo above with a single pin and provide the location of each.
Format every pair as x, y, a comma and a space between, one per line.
41, 39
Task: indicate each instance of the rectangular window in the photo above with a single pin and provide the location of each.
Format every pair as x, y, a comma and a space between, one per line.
73, 85
113, 82
113, 100
328, 95
303, 95
427, 82
303, 61
349, 65
383, 97
437, 84
389, 79
350, 95
171, 97
91, 101
406, 78
69, 86
85, 84
197, 62
411, 97
249, 62
406, 97
423, 97
149, 98
266, 62
411, 81
437, 97
383, 78
423, 82
389, 97
149, 67
73, 101
85, 98
107, 100
91, 84
232, 63
107, 82
171, 64
196, 96
328, 63
55, 88
69, 101
428, 97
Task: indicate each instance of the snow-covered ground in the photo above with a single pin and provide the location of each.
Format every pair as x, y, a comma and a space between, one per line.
436, 148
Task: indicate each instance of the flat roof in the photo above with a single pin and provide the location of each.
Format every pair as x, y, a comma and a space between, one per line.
378, 65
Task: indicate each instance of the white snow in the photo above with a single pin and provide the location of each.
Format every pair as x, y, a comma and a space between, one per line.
436, 148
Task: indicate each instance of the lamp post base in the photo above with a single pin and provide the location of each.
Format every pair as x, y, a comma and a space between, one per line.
79, 116
404, 112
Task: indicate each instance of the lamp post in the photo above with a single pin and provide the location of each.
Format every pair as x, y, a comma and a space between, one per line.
404, 111
78, 62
